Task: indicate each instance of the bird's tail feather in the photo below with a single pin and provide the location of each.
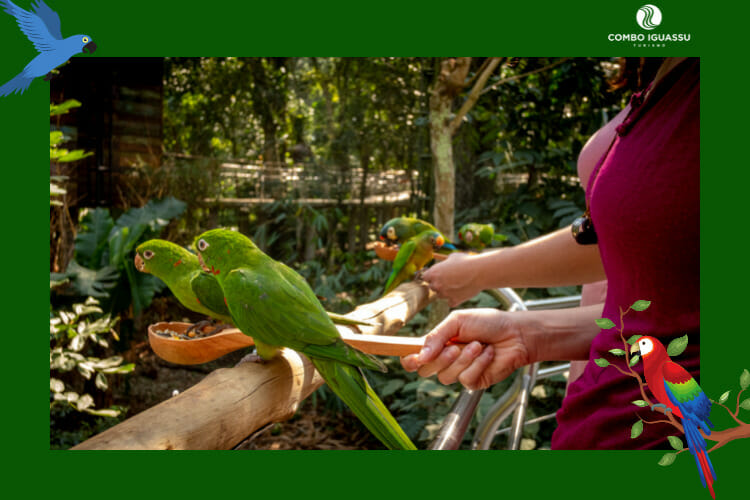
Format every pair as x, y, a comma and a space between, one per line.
17, 84
351, 386
697, 446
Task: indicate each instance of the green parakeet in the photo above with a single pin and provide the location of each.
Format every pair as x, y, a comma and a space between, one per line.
478, 236
181, 271
413, 256
196, 289
273, 304
402, 229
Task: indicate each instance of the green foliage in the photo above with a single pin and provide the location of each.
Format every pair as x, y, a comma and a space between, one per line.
667, 459
58, 154
103, 267
74, 335
636, 429
744, 379
640, 305
677, 346
605, 323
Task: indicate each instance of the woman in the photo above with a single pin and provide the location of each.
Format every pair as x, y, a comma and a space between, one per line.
643, 197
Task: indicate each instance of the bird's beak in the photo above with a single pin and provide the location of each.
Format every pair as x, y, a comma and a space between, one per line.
89, 48
139, 263
634, 348
439, 242
203, 264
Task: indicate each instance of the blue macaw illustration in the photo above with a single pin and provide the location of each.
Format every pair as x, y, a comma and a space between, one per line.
42, 28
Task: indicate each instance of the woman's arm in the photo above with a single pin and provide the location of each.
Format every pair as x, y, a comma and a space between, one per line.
551, 260
499, 342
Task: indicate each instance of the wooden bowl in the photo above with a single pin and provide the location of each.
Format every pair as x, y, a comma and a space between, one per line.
194, 351
205, 349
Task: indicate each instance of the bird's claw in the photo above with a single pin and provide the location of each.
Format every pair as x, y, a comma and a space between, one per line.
662, 405
253, 357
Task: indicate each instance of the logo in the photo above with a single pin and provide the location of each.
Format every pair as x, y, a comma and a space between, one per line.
648, 17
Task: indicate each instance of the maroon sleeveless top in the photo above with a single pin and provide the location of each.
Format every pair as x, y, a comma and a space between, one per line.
644, 201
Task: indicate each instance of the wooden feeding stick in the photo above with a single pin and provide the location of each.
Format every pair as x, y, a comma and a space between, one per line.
231, 403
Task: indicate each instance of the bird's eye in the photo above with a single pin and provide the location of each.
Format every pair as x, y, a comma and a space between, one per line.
148, 254
85, 39
202, 245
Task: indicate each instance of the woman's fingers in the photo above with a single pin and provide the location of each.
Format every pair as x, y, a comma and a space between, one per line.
475, 376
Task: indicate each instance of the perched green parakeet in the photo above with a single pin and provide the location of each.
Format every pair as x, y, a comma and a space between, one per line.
196, 289
273, 304
477, 236
413, 256
402, 229
181, 271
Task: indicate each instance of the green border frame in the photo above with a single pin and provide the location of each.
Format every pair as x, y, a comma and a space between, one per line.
159, 28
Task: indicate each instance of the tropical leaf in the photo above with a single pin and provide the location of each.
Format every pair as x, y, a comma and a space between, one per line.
155, 214
636, 429
605, 323
724, 397
677, 346
632, 340
744, 379
90, 282
667, 459
640, 305
95, 226
676, 443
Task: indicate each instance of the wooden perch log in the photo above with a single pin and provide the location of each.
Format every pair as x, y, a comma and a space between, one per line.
231, 403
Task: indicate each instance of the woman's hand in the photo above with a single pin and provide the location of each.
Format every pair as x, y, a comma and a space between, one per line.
495, 347
455, 278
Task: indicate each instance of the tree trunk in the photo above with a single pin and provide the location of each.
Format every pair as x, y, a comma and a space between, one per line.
450, 81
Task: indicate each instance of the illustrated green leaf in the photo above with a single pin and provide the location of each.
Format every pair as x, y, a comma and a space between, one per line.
605, 323
745, 379
636, 429
745, 405
634, 360
724, 397
667, 459
601, 362
632, 340
640, 305
617, 352
676, 443
640, 402
677, 346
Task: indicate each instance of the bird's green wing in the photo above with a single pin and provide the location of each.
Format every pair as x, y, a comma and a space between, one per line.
279, 309
209, 293
402, 257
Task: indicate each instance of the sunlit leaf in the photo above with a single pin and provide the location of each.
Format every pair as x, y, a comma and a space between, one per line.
677, 346
667, 459
605, 323
745, 379
636, 429
617, 352
724, 397
634, 360
675, 442
640, 305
